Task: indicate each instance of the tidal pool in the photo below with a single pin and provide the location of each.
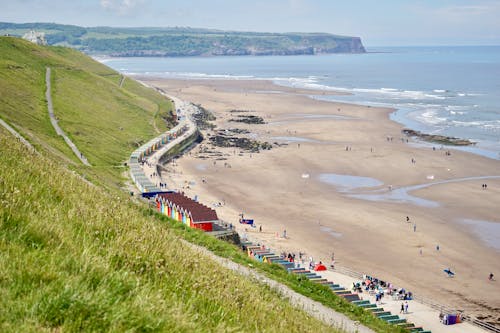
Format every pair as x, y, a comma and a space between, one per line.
402, 194
330, 231
487, 231
289, 139
346, 183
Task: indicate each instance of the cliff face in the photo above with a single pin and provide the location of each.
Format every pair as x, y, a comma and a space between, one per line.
234, 45
346, 45
179, 42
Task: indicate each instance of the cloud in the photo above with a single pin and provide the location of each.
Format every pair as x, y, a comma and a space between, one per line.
122, 7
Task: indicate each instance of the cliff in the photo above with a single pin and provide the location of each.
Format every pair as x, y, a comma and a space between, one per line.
177, 42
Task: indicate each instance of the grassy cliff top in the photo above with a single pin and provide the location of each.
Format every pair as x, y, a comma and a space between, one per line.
104, 120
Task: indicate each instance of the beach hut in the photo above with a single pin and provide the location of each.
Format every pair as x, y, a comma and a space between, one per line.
185, 210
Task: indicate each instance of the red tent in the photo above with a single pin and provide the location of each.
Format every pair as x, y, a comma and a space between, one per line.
320, 267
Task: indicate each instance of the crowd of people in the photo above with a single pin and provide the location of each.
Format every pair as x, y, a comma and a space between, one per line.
380, 288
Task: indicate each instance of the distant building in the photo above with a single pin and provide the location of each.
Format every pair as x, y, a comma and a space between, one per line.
35, 37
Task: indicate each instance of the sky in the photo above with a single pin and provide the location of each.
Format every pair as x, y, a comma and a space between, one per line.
377, 22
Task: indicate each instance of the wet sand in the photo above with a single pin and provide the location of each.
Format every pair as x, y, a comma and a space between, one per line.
283, 189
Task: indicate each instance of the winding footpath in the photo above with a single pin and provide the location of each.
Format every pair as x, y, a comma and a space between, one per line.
17, 135
53, 120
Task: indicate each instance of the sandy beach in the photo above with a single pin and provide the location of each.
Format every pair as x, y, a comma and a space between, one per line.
310, 185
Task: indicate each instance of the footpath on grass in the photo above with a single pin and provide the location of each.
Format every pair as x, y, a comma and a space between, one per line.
17, 135
55, 124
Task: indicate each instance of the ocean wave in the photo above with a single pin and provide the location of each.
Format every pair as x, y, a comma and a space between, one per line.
310, 82
194, 75
431, 117
392, 93
490, 125
208, 76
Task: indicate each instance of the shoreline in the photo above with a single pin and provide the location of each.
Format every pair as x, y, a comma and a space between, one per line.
476, 146
357, 222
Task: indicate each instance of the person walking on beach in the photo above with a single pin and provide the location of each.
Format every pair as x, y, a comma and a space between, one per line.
402, 308
414, 227
406, 307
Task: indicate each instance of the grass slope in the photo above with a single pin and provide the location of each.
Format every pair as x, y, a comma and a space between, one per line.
75, 259
105, 121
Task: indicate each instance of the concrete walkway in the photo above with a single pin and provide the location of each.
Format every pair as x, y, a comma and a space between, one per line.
184, 110
122, 79
53, 120
17, 135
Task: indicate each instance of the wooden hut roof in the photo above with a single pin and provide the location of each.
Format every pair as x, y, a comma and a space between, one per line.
198, 211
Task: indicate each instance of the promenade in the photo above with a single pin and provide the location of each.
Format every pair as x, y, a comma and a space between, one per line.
418, 313
144, 161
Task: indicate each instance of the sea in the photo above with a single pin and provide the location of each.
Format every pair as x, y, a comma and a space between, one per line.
449, 90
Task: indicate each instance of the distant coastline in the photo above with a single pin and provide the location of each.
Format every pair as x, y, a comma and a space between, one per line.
186, 42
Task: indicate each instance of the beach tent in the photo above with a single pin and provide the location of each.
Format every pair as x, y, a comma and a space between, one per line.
320, 267
246, 221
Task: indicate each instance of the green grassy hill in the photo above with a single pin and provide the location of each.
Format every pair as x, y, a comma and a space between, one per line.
73, 258
105, 121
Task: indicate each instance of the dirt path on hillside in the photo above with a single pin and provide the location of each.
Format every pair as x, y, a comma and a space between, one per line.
53, 120
17, 135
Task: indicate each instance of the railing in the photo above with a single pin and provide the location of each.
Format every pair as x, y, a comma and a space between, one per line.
484, 325
441, 308
170, 138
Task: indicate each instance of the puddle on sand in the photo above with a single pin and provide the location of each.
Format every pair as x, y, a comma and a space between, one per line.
346, 183
399, 195
321, 116
293, 118
201, 167
289, 139
331, 232
487, 231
